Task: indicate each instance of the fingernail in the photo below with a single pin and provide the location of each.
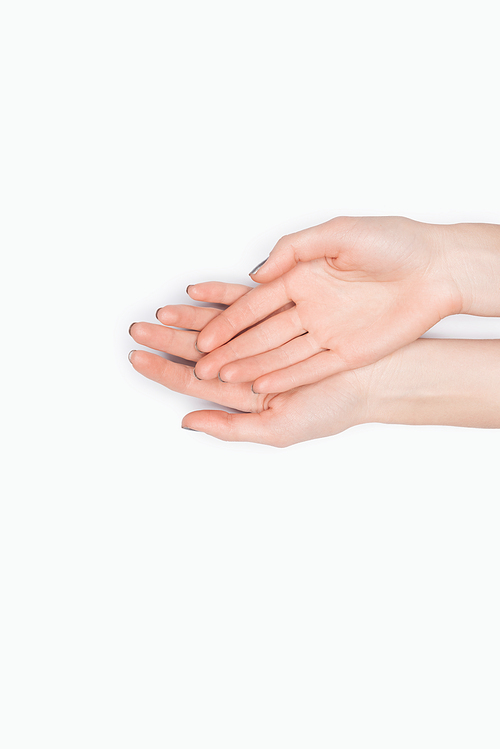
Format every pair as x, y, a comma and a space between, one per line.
220, 378
156, 313
130, 354
187, 292
253, 391
194, 372
189, 429
130, 329
197, 349
258, 267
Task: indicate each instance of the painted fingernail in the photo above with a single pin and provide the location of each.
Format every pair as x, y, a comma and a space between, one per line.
187, 292
156, 313
130, 329
194, 372
253, 391
258, 267
189, 429
130, 354
197, 349
220, 378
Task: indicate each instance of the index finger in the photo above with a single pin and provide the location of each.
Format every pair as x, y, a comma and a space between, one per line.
251, 308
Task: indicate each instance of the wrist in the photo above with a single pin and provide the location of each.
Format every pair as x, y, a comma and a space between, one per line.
471, 257
432, 381
386, 386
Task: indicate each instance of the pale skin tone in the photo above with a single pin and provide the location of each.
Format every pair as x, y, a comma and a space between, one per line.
426, 382
352, 291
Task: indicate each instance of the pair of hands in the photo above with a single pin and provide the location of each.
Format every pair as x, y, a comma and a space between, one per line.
279, 419
299, 351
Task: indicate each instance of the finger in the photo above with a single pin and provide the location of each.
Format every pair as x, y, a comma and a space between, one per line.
186, 316
249, 309
223, 293
262, 427
180, 378
217, 292
316, 368
248, 370
323, 240
177, 342
263, 337
195, 318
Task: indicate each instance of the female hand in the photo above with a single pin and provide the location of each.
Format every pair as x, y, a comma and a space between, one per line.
361, 288
282, 419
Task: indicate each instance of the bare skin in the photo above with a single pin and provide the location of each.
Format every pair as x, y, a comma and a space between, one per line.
357, 289
426, 382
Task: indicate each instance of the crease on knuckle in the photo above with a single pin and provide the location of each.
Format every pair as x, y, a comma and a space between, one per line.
229, 324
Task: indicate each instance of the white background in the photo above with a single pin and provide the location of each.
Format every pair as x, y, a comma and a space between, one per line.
159, 588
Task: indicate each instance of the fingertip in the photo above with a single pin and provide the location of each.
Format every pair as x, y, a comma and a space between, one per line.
258, 267
266, 274
211, 423
201, 343
198, 349
139, 358
230, 373
259, 387
196, 292
224, 374
190, 421
201, 373
189, 429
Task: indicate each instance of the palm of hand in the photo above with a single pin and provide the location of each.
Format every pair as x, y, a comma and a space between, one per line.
379, 289
353, 314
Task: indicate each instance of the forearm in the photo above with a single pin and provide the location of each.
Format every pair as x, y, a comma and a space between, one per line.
472, 256
450, 382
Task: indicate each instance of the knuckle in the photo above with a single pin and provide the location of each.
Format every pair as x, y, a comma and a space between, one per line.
228, 322
283, 242
263, 334
285, 358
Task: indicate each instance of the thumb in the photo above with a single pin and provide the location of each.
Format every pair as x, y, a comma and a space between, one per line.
240, 427
323, 240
